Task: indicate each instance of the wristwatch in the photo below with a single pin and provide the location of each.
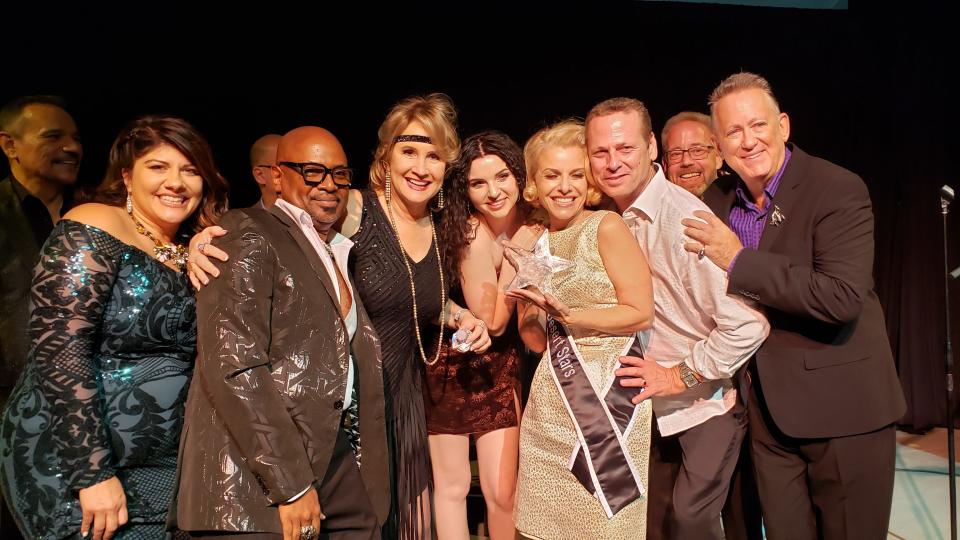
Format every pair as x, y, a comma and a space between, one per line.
688, 375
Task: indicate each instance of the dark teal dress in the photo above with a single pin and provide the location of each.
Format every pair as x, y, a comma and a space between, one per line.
113, 335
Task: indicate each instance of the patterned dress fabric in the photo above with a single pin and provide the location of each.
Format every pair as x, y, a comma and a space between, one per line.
384, 287
113, 336
475, 393
551, 503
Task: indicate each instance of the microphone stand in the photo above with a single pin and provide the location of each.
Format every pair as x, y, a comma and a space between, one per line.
946, 197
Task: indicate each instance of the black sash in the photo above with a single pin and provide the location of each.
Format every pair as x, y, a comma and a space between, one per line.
600, 461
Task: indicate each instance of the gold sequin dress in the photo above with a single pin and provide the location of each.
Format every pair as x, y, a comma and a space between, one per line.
551, 503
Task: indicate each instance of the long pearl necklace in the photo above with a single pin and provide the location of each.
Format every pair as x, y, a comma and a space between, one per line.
413, 287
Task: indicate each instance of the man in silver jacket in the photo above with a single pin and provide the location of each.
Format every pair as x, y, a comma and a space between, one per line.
284, 434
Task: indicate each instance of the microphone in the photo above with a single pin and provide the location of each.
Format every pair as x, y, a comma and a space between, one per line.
946, 194
956, 273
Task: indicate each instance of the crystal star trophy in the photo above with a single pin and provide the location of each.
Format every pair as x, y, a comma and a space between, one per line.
538, 266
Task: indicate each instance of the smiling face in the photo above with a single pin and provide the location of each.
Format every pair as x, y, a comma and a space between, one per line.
620, 156
165, 188
44, 145
686, 139
752, 134
327, 201
561, 180
416, 168
492, 187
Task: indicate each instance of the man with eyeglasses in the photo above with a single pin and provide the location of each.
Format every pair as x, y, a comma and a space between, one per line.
263, 157
692, 161
284, 434
690, 156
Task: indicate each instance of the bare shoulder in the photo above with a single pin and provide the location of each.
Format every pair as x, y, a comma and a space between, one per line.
611, 224
111, 219
350, 223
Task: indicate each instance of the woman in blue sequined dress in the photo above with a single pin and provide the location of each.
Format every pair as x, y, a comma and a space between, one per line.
90, 434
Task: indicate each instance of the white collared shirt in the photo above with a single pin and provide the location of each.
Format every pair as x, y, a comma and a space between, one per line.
695, 320
340, 245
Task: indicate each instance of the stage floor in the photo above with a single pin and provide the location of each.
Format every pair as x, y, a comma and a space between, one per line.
921, 494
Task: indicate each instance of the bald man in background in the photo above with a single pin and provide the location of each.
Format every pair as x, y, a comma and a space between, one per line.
263, 157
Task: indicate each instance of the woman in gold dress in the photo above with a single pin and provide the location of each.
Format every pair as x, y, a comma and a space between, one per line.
584, 447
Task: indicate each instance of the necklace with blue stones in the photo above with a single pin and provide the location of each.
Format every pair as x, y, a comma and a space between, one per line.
164, 252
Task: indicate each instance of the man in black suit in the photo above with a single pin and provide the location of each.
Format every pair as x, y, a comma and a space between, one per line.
823, 390
43, 149
40, 140
286, 411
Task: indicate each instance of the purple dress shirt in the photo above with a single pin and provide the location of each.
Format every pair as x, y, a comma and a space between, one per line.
746, 218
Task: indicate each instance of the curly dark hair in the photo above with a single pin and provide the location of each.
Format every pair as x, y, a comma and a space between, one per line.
148, 132
456, 229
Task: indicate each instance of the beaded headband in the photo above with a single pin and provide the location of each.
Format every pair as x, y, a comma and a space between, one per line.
412, 138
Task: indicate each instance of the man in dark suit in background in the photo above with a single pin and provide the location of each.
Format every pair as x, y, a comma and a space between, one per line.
40, 140
43, 149
286, 411
823, 390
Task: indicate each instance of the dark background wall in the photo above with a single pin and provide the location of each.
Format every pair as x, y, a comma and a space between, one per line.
865, 87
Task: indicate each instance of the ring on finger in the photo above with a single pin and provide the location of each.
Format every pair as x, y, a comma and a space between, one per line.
200, 246
308, 532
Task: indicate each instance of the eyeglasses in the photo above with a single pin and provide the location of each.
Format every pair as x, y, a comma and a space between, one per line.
696, 152
315, 173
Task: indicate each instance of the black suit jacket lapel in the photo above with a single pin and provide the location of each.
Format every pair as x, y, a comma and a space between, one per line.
310, 253
784, 199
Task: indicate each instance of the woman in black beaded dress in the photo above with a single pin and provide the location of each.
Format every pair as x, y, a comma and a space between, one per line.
398, 271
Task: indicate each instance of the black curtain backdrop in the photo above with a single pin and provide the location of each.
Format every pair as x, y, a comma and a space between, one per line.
865, 88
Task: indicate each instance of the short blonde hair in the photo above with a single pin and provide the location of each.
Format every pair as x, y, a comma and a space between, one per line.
739, 82
435, 112
624, 104
564, 134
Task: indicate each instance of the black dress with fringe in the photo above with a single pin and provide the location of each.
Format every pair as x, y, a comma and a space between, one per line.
383, 284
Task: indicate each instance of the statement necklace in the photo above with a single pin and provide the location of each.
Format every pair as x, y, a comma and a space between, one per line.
164, 252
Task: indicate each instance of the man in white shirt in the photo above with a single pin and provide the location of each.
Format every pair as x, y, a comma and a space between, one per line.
700, 338
286, 410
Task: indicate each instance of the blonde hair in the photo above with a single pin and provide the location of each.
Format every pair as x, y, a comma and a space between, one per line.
564, 134
434, 112
739, 82
624, 104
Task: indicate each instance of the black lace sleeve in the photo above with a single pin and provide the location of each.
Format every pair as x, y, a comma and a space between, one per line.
71, 285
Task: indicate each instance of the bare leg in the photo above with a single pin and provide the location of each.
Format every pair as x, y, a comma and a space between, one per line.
451, 483
497, 456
